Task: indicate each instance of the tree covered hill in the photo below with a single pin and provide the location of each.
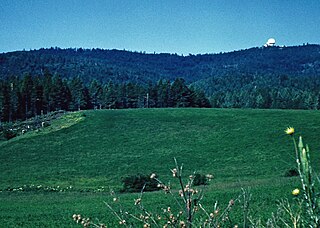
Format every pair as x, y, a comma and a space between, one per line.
70, 79
124, 66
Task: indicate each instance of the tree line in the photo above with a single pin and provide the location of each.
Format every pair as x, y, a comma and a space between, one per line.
272, 91
22, 98
271, 98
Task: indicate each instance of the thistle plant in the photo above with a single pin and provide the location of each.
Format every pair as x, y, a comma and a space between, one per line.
186, 209
307, 179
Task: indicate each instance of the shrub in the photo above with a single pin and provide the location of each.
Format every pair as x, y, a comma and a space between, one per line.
200, 179
45, 124
292, 173
139, 182
9, 134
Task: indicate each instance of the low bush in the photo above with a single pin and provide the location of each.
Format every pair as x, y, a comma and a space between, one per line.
291, 173
9, 134
139, 182
45, 124
200, 179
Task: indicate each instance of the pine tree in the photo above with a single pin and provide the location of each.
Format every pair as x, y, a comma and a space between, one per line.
96, 94
163, 94
6, 109
131, 95
28, 96
47, 91
110, 95
199, 99
59, 94
151, 96
39, 93
180, 94
79, 97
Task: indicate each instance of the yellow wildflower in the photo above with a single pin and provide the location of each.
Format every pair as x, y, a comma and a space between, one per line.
295, 192
289, 131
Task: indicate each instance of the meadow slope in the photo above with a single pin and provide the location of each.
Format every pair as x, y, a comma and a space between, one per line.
82, 162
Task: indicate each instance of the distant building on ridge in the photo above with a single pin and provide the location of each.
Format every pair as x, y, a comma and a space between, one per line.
270, 43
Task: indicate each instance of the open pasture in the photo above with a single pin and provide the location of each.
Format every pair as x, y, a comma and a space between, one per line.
46, 177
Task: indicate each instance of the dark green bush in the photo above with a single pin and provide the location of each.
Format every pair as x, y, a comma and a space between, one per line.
200, 179
135, 183
45, 124
291, 173
9, 134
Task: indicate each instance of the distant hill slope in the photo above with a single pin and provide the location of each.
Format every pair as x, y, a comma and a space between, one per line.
123, 66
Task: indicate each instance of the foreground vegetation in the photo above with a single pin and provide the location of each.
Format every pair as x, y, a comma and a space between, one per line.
186, 209
48, 177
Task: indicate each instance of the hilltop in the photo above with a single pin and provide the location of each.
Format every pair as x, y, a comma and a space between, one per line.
121, 65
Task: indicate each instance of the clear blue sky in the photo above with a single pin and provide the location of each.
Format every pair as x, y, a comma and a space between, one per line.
171, 26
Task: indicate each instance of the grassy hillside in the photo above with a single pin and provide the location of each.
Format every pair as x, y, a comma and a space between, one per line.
71, 170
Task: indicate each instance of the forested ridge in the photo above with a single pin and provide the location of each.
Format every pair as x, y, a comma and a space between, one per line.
40, 81
123, 66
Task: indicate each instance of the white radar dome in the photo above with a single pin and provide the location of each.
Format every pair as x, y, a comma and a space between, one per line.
271, 41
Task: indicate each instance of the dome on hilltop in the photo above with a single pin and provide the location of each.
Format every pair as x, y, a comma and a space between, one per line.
271, 42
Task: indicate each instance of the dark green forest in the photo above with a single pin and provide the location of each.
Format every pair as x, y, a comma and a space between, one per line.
22, 98
39, 81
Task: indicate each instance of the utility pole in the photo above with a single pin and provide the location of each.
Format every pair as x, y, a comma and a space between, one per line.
147, 100
11, 102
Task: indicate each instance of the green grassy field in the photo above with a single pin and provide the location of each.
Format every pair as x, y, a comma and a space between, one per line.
70, 168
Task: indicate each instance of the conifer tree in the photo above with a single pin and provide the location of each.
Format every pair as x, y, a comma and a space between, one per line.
79, 97
96, 94
28, 95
